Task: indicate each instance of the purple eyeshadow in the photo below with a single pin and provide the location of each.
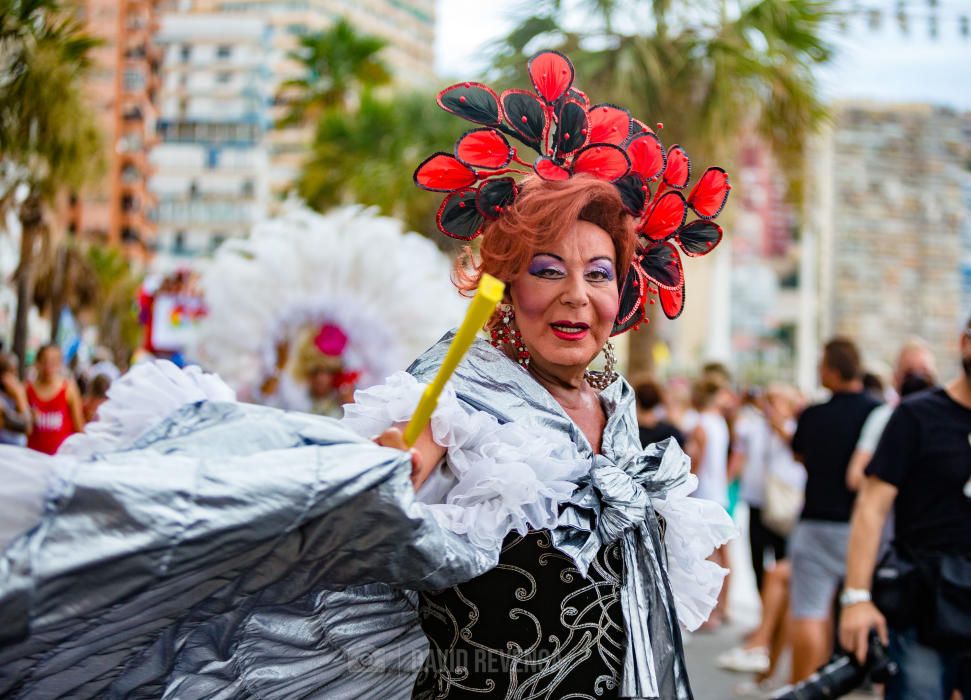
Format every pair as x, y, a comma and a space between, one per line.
606, 267
543, 262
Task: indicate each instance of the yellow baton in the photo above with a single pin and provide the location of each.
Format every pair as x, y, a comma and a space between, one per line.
487, 296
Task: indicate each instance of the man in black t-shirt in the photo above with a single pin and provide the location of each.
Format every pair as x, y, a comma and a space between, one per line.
825, 438
921, 467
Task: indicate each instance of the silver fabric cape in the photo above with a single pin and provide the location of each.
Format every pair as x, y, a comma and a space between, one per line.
237, 551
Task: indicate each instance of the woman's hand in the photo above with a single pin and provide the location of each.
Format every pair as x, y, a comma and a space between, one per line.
425, 455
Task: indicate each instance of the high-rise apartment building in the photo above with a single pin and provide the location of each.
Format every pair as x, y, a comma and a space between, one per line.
407, 26
122, 90
210, 165
220, 164
886, 209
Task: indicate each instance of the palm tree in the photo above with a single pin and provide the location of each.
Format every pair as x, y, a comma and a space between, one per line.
368, 156
707, 70
49, 140
339, 65
113, 303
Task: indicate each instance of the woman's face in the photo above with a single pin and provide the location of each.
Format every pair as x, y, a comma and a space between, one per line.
49, 364
567, 299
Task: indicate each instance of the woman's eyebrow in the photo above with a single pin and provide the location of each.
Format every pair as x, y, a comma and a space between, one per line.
602, 257
549, 255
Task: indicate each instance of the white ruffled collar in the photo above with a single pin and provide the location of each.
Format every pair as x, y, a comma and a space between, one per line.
490, 381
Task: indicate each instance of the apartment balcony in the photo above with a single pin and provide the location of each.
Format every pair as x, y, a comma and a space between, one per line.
136, 196
135, 162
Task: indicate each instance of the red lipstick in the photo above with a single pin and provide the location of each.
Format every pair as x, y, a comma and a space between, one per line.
569, 330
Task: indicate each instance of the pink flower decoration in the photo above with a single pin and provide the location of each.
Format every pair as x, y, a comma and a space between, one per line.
331, 340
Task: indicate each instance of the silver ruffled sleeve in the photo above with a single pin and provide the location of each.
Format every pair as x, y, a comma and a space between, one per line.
224, 556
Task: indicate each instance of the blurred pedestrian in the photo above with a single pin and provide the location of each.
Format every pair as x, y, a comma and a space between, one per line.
825, 437
921, 468
708, 449
678, 409
94, 395
750, 446
54, 401
14, 408
779, 488
651, 423
873, 385
914, 371
785, 482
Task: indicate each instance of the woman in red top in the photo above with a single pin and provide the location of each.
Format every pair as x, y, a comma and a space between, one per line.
54, 401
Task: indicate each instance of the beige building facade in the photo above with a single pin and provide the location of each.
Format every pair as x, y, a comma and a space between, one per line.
885, 211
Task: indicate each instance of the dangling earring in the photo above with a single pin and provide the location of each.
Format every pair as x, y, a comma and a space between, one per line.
600, 380
504, 333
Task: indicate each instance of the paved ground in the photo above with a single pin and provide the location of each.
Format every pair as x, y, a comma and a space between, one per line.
709, 682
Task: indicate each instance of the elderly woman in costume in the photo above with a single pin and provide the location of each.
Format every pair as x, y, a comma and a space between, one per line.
526, 547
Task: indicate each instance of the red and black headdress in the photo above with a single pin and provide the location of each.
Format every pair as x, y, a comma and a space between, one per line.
571, 136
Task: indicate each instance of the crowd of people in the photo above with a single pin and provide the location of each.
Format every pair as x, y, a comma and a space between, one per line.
54, 402
820, 481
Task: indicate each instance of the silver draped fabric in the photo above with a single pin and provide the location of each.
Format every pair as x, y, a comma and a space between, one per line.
241, 552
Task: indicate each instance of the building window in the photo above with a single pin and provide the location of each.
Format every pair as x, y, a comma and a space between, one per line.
224, 77
133, 80
194, 190
224, 51
248, 188
186, 53
178, 247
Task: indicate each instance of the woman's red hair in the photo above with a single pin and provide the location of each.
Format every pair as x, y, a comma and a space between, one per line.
542, 212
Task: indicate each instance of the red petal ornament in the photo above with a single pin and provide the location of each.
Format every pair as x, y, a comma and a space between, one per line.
634, 193
662, 265
603, 161
710, 193
526, 115
608, 124
632, 294
571, 127
495, 195
667, 216
672, 301
458, 217
678, 171
580, 96
473, 101
442, 172
700, 237
552, 74
646, 155
548, 170
484, 148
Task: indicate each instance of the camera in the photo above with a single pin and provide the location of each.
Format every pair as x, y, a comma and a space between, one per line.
843, 674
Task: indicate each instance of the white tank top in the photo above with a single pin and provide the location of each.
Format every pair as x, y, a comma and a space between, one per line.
713, 471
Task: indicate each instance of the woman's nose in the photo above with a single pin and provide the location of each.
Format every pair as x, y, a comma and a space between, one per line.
574, 291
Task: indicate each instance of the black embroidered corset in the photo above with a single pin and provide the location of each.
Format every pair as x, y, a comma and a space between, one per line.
532, 627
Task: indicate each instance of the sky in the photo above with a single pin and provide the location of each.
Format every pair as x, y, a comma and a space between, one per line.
878, 65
